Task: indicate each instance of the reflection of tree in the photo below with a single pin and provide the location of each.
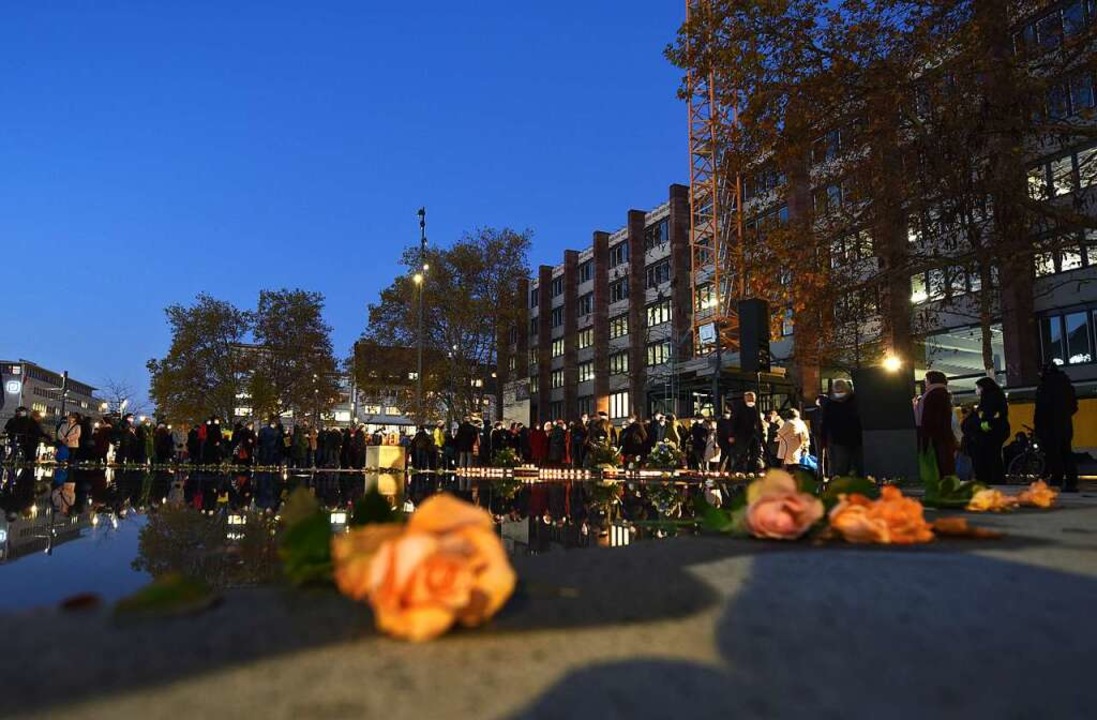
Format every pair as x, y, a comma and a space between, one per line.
212, 548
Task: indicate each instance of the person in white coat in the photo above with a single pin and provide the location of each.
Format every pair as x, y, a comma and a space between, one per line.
793, 440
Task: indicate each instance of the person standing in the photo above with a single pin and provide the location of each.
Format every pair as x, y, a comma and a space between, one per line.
698, 442
773, 426
725, 440
747, 429
466, 441
793, 440
933, 416
634, 441
68, 435
992, 430
163, 445
840, 432
23, 430
1056, 405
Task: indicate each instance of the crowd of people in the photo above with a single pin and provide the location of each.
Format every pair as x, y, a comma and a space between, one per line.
973, 445
968, 443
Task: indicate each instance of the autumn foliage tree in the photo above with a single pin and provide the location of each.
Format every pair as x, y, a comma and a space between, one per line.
469, 297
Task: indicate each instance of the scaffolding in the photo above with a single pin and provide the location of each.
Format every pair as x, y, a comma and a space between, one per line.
716, 223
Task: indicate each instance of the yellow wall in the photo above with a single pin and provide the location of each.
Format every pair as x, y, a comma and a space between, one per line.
1085, 422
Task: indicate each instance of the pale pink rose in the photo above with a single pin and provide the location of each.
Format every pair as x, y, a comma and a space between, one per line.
783, 515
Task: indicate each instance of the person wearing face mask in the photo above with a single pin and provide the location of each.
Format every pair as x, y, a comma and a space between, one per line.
840, 432
24, 432
211, 447
992, 415
725, 440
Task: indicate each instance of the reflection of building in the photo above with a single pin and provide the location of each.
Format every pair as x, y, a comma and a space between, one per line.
41, 532
25, 383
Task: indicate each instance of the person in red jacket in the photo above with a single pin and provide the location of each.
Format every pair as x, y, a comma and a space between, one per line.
933, 415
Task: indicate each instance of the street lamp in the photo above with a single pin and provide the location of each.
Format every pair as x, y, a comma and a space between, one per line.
419, 276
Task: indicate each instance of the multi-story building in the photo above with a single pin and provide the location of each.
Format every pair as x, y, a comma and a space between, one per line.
44, 391
610, 329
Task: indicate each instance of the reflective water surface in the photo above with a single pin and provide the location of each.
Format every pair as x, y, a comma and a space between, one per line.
108, 532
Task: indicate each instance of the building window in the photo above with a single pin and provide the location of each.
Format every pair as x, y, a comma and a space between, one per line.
618, 363
534, 297
657, 274
556, 409
512, 363
586, 371
705, 299
827, 147
586, 405
657, 234
618, 326
585, 338
557, 317
658, 313
618, 405
558, 286
658, 353
618, 254
533, 329
618, 290
558, 347
557, 379
586, 271
1068, 339
586, 304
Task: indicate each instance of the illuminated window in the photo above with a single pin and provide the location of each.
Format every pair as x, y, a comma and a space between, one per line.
586, 371
618, 326
658, 313
585, 338
618, 405
618, 363
557, 378
658, 353
558, 347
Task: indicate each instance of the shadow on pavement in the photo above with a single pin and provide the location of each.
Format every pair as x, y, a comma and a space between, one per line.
860, 635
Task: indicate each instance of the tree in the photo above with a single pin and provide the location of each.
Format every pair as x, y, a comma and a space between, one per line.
120, 397
469, 298
204, 371
294, 365
937, 115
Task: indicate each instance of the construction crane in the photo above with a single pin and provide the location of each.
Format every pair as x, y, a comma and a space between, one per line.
715, 193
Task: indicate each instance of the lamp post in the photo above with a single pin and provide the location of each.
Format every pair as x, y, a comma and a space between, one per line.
420, 277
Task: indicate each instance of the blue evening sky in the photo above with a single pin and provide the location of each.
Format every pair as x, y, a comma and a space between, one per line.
153, 150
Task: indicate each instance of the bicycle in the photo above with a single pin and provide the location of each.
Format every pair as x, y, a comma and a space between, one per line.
1029, 464
12, 451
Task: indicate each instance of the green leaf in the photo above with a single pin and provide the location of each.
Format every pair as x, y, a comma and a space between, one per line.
806, 481
300, 505
306, 550
373, 508
713, 518
848, 486
170, 594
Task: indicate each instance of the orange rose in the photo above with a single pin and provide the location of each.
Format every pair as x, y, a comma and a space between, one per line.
851, 518
447, 565
777, 510
991, 501
1038, 494
905, 517
892, 519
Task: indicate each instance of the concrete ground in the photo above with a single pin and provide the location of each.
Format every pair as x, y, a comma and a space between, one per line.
692, 627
